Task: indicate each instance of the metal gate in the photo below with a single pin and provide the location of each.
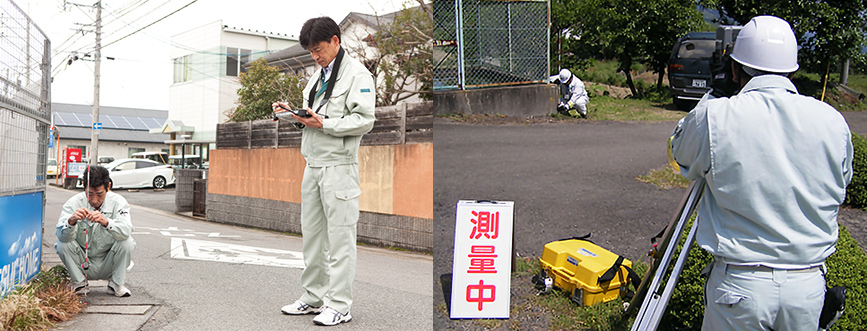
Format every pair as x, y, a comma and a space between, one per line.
490, 43
200, 196
25, 110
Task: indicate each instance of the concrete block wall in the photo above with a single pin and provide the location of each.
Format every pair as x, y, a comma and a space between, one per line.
411, 233
516, 101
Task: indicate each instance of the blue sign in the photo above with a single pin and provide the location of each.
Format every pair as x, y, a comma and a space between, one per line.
97, 126
50, 138
20, 240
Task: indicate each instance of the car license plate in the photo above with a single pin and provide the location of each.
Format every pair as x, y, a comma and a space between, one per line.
699, 83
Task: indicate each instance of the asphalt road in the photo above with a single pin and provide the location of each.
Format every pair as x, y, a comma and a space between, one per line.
163, 200
233, 293
565, 179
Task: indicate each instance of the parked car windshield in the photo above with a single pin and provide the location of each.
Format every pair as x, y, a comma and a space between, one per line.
696, 49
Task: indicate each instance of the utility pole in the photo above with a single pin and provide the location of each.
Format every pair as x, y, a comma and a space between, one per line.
96, 126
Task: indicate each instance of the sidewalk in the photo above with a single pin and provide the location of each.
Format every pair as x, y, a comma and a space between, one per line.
103, 311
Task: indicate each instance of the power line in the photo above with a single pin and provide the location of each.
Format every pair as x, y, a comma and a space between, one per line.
128, 8
130, 24
60, 48
119, 13
155, 22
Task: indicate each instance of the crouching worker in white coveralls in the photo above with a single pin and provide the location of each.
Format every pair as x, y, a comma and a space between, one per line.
340, 99
93, 235
573, 95
776, 164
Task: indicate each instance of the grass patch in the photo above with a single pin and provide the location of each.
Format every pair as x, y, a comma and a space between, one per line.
41, 303
665, 178
566, 315
605, 108
858, 82
488, 323
810, 84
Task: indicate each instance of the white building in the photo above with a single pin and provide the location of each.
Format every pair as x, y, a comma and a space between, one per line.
207, 61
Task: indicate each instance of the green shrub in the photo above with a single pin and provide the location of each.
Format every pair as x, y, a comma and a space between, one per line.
847, 267
856, 192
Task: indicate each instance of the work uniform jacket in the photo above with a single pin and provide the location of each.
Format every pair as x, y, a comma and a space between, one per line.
114, 208
776, 163
350, 111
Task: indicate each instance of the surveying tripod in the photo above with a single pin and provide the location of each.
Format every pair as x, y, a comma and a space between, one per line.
653, 301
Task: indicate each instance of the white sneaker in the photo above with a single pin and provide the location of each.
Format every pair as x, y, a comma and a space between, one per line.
329, 316
80, 288
117, 290
299, 308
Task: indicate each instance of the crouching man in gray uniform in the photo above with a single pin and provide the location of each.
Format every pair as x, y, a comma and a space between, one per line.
93, 235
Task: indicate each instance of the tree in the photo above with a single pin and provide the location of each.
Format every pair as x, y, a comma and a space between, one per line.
261, 85
565, 23
827, 30
401, 60
631, 30
666, 21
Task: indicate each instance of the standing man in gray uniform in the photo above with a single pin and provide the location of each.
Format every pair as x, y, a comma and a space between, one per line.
776, 164
93, 235
340, 100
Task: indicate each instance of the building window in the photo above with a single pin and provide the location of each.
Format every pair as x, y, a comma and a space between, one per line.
133, 150
236, 58
183, 69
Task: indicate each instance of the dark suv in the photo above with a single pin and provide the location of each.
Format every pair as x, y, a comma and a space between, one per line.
689, 74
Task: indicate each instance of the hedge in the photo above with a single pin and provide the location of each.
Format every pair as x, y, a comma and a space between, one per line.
856, 192
847, 267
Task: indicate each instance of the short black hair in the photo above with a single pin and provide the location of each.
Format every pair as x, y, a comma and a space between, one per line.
96, 176
317, 30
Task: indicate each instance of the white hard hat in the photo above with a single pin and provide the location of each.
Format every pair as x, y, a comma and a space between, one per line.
565, 75
767, 43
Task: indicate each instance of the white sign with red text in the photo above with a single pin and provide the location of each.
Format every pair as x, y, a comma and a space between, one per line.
482, 267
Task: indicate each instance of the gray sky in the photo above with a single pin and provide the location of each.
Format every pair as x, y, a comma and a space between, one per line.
142, 72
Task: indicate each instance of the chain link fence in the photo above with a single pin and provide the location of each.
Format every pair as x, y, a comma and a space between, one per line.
25, 102
490, 43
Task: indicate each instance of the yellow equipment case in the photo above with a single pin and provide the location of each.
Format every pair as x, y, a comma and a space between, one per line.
591, 273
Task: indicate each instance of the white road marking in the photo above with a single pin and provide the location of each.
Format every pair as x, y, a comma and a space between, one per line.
169, 234
218, 235
193, 249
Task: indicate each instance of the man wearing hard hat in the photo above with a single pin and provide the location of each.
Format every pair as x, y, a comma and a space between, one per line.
776, 164
574, 97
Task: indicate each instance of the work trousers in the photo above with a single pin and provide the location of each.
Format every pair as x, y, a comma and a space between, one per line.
761, 298
329, 213
112, 265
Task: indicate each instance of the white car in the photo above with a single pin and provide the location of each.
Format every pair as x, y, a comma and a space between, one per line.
51, 168
136, 173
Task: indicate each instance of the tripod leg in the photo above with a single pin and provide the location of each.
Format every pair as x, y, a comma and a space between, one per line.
656, 315
647, 294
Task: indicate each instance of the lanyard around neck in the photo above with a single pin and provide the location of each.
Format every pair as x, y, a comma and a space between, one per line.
327, 86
